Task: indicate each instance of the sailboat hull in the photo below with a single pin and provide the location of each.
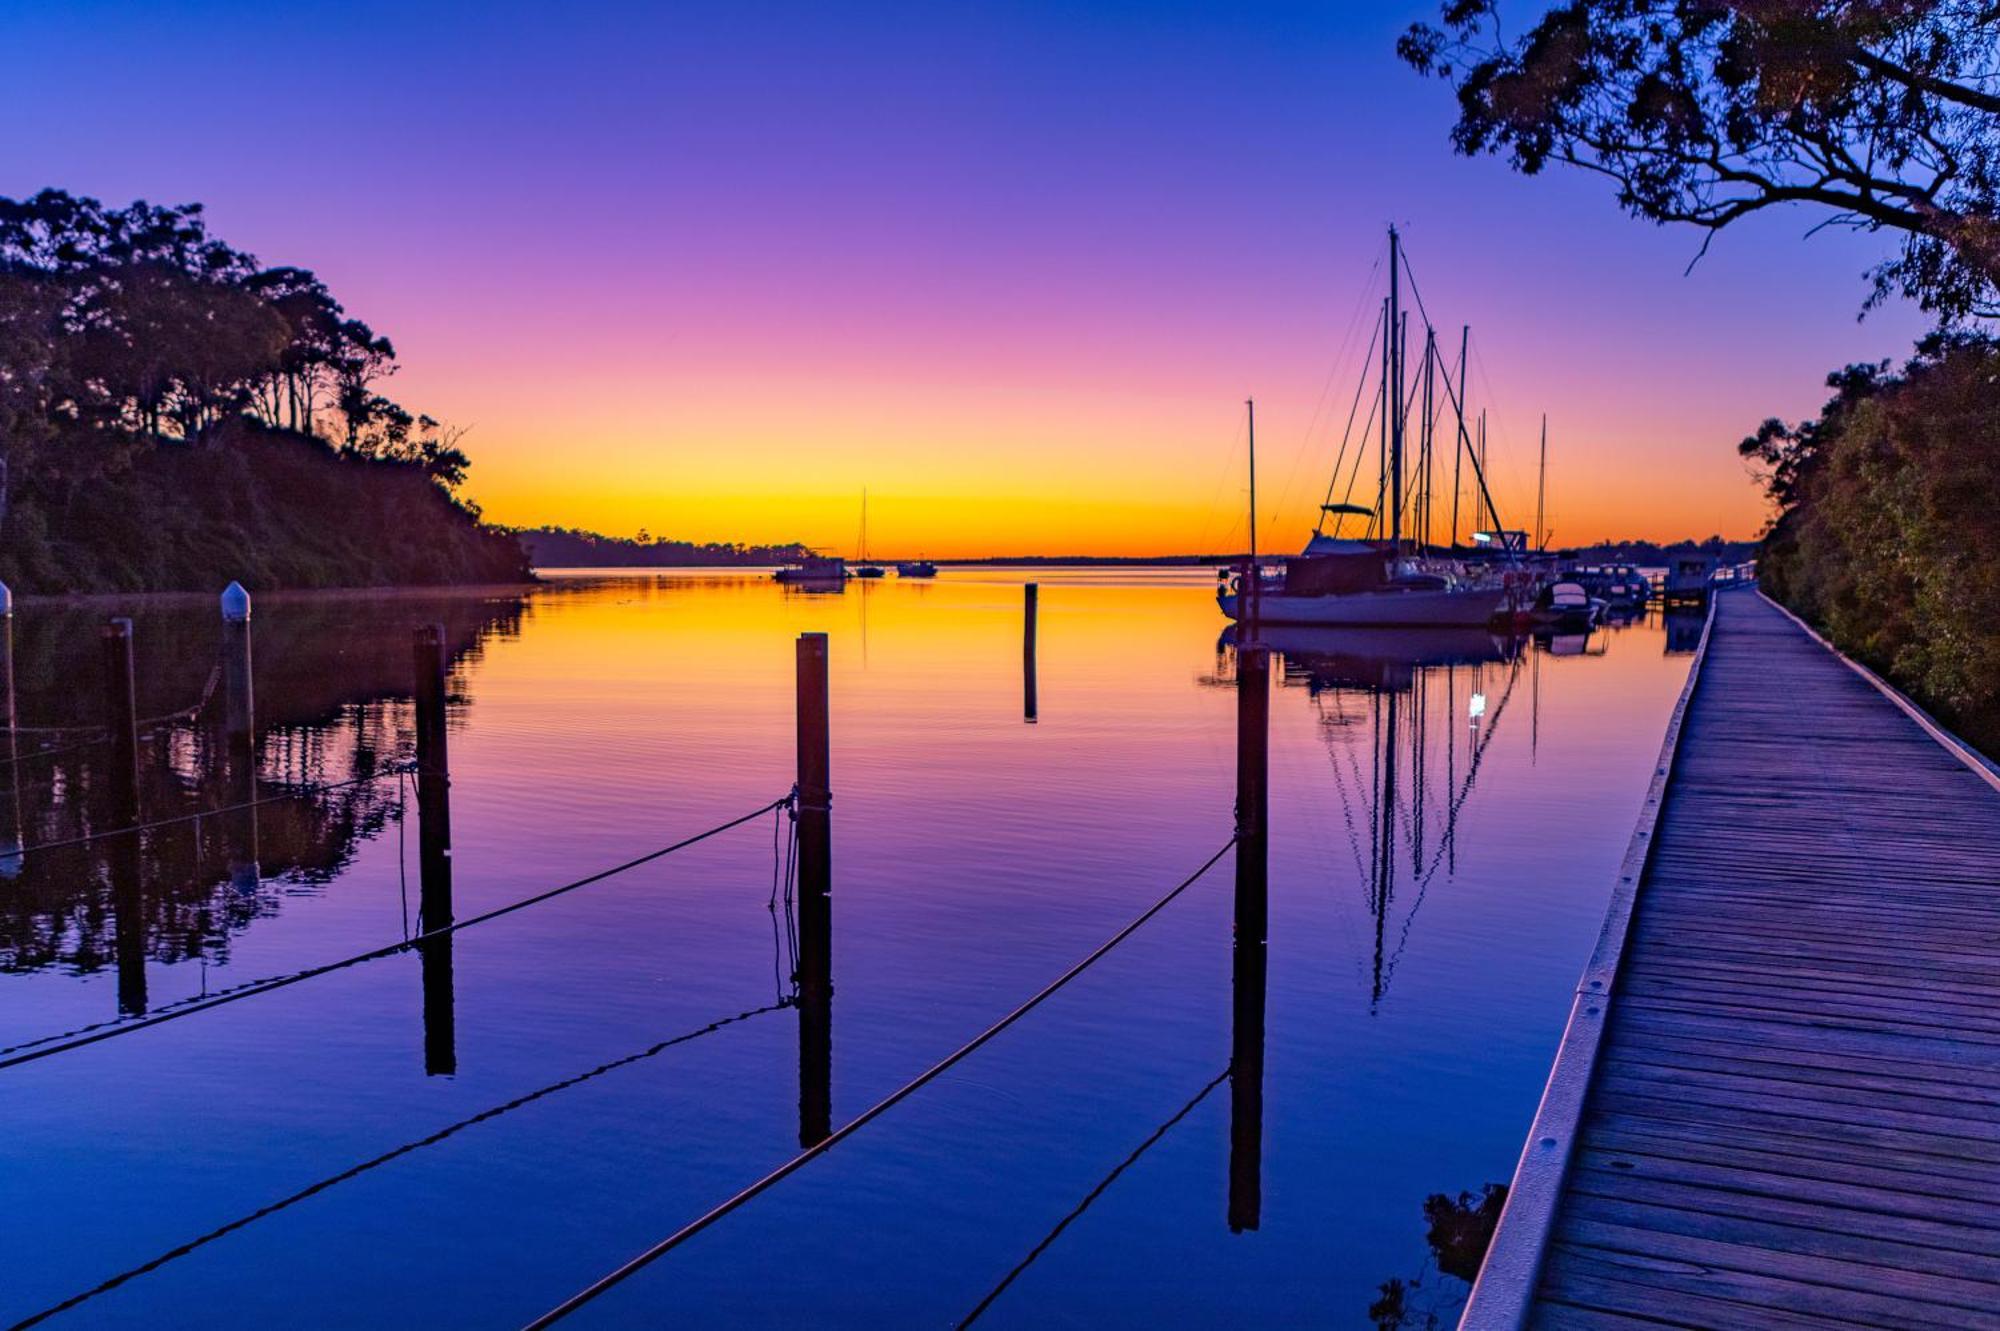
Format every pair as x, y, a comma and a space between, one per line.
1462, 606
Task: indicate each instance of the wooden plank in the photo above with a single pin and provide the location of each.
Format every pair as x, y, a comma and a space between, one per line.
1604, 1283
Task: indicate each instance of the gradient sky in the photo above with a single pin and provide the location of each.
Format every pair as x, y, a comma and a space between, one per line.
711, 268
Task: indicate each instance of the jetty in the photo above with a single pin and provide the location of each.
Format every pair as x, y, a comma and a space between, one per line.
1777, 1101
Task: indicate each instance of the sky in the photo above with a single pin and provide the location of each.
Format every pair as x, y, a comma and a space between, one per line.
713, 269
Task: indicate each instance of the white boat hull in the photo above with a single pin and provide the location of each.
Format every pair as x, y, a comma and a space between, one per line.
1466, 606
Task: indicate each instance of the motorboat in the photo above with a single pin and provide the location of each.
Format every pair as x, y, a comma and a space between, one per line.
916, 568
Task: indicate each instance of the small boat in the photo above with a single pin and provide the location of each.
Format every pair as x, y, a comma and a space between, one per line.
814, 571
916, 568
1566, 605
1688, 579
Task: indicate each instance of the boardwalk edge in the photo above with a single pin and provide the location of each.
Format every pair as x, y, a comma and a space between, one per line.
1982, 766
1504, 1291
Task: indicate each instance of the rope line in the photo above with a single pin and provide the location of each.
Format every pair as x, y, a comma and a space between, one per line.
354, 1171
1103, 1186
255, 987
867, 1116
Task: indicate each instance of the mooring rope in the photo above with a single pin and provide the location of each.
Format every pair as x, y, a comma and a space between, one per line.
1103, 1186
869, 1115
354, 1171
27, 1054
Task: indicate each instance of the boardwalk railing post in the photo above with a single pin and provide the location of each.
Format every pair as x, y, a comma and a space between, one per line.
124, 853
814, 812
1251, 928
434, 910
239, 723
1029, 702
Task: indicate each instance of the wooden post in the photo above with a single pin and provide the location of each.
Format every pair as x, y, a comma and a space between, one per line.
124, 853
815, 895
239, 724
1030, 703
11, 845
121, 717
434, 910
1252, 920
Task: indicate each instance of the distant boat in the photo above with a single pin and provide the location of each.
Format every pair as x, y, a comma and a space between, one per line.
863, 568
821, 571
1566, 605
916, 568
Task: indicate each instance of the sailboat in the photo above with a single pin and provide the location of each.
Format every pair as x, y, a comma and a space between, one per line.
1385, 579
862, 567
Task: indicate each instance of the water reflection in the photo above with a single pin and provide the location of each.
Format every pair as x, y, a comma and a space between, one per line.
325, 703
1407, 716
1457, 1232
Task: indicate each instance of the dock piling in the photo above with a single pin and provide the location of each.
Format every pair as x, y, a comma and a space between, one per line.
124, 853
1248, 962
434, 909
239, 723
814, 812
1030, 703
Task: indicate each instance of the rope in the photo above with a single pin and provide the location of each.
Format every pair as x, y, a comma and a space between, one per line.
867, 1116
295, 792
1103, 1186
253, 988
311, 1190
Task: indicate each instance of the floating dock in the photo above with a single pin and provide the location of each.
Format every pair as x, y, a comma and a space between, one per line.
1777, 1103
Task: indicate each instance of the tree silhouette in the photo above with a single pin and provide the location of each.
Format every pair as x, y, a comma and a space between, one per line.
1881, 113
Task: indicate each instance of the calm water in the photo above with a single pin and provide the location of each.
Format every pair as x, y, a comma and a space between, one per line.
1414, 1001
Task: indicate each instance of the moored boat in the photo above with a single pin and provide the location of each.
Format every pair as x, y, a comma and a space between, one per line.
814, 570
916, 568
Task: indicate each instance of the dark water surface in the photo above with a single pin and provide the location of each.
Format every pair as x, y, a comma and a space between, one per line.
1415, 993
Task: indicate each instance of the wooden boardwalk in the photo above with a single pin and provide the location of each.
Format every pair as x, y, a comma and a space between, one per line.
1793, 1118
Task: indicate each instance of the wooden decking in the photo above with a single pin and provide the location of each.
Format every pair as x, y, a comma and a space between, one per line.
1794, 1114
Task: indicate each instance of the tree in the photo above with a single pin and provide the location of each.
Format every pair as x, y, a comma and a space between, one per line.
1883, 114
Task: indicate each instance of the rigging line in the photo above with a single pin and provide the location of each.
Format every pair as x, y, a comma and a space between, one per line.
1361, 303
1347, 430
296, 792
869, 1115
254, 988
1354, 475
402, 857
1215, 495
354, 1171
1102, 1187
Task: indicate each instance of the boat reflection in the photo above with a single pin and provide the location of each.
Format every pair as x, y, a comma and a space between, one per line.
1407, 716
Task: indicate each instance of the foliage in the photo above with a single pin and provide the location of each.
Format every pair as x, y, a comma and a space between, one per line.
1882, 113
134, 346
564, 547
1887, 524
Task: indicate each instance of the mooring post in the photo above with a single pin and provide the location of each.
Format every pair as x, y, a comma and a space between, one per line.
814, 812
121, 718
239, 724
1030, 605
123, 854
434, 852
1251, 928
11, 845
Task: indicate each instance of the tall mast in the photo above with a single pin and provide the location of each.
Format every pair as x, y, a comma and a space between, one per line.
1395, 460
1378, 525
1250, 405
1458, 405
1542, 488
1430, 432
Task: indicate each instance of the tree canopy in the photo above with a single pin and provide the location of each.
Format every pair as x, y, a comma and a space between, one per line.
1882, 114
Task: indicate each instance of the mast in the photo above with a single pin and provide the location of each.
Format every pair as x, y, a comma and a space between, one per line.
1542, 488
1430, 434
1375, 524
1255, 579
1458, 405
1395, 458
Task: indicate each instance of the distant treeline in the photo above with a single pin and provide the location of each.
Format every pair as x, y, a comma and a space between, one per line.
1888, 523
568, 547
173, 414
1647, 554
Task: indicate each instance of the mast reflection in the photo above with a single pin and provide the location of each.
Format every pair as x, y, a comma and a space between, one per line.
1407, 716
